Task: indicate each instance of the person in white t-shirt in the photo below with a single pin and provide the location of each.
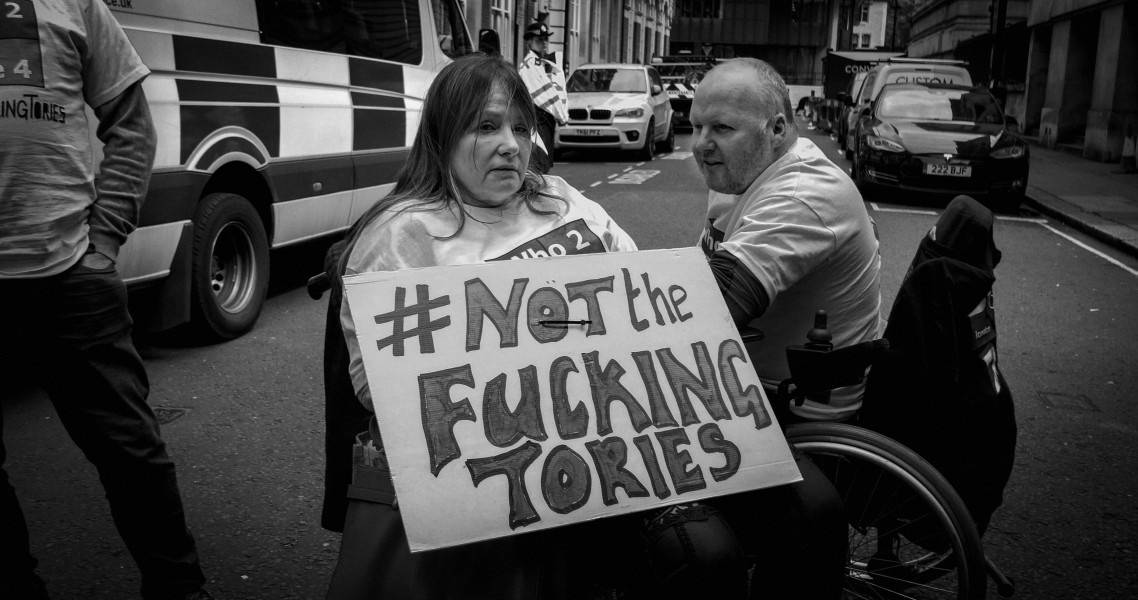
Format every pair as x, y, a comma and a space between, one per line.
787, 232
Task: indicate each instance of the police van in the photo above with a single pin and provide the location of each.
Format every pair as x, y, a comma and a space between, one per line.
279, 121
681, 75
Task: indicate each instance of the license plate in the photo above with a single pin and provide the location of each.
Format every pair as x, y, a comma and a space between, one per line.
949, 170
589, 132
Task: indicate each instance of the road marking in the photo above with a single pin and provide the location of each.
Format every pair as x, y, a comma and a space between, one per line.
911, 211
635, 177
595, 184
613, 175
1039, 220
677, 156
627, 169
1105, 257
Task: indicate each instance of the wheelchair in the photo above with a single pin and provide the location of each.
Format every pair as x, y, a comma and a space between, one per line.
910, 533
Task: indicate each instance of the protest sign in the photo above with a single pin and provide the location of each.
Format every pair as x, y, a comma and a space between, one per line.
520, 395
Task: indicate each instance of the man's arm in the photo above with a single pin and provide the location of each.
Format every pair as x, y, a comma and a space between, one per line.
746, 299
129, 144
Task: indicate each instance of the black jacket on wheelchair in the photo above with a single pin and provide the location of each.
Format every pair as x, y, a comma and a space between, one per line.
938, 389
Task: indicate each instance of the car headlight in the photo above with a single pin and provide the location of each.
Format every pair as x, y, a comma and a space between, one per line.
879, 143
630, 113
1015, 151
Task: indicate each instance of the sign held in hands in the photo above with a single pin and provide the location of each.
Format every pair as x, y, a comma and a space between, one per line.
520, 395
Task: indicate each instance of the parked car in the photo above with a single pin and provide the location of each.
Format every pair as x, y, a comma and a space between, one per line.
942, 139
848, 120
895, 70
617, 106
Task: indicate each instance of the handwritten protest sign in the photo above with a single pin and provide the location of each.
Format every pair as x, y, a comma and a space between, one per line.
520, 395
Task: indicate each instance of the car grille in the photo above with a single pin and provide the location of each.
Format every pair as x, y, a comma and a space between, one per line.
597, 114
590, 139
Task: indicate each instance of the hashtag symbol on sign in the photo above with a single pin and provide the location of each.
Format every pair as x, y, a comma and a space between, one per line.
422, 309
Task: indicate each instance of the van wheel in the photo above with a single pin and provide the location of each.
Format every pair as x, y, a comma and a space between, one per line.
648, 152
230, 269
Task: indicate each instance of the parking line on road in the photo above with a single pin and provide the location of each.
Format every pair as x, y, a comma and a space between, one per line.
1105, 257
911, 211
1039, 220
595, 184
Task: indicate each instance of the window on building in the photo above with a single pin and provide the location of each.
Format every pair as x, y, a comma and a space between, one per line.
388, 29
865, 40
865, 12
699, 9
500, 22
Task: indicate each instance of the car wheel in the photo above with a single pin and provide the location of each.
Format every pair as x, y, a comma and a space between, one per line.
648, 152
1011, 203
230, 268
858, 178
669, 143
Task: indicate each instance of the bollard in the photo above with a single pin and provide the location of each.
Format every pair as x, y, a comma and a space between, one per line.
1127, 161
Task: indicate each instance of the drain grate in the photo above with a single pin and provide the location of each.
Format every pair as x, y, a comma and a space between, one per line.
168, 415
1067, 401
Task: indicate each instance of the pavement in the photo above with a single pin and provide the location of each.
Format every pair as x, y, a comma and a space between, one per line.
1095, 197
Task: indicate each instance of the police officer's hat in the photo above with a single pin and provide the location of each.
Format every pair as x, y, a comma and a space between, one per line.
537, 30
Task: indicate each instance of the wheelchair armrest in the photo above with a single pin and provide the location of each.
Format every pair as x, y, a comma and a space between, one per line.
816, 371
750, 335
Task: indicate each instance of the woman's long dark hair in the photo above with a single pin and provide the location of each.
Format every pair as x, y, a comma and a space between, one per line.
453, 105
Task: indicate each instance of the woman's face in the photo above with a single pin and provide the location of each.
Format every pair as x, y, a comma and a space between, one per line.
490, 159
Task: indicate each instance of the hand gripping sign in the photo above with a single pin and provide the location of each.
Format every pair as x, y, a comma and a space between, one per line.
520, 395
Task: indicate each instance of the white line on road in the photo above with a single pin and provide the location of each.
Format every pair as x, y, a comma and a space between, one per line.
596, 184
1039, 220
911, 211
1108, 259
626, 170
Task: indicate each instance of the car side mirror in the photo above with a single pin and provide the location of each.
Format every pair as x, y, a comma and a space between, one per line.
656, 90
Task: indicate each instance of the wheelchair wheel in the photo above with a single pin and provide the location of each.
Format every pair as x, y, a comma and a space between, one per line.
910, 535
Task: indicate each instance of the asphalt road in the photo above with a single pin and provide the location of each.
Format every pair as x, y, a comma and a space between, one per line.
245, 418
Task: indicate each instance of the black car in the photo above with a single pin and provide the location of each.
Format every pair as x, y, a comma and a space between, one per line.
944, 140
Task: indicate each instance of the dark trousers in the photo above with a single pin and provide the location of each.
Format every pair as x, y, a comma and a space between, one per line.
546, 128
71, 335
794, 536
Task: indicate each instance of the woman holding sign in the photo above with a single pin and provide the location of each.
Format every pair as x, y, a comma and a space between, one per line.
466, 194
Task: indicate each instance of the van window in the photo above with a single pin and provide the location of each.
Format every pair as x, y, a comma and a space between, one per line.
863, 95
449, 24
385, 29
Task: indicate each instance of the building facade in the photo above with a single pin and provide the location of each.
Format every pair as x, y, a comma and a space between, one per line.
584, 31
1082, 86
870, 25
791, 35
